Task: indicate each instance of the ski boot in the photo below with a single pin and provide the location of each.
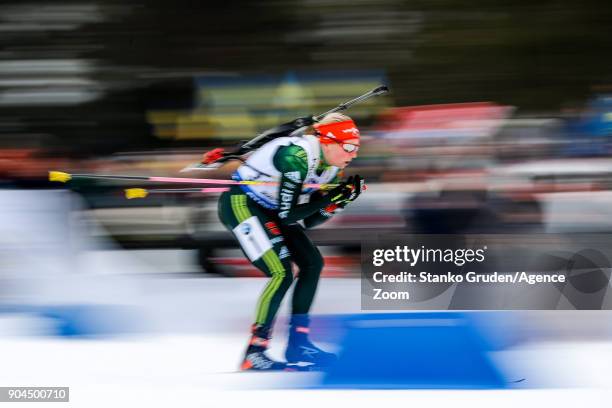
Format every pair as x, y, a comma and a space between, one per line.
301, 350
255, 358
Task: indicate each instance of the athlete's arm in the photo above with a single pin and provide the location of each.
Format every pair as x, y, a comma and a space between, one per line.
292, 163
321, 216
324, 213
349, 190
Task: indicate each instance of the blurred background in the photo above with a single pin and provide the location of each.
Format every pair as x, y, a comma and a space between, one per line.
499, 120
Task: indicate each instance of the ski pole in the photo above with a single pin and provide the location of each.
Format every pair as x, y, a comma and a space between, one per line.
131, 193
64, 177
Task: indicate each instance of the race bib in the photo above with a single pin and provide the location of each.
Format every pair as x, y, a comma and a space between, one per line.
252, 237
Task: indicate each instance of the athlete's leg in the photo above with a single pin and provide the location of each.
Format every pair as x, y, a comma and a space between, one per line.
263, 244
274, 262
310, 263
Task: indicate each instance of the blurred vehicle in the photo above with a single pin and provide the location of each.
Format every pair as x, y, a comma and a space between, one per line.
575, 194
471, 203
541, 196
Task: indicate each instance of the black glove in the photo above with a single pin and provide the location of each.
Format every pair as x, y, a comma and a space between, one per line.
358, 186
347, 191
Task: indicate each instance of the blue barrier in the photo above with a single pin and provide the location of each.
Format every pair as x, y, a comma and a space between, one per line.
80, 320
412, 351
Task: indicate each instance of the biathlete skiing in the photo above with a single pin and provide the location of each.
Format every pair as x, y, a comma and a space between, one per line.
288, 183
269, 223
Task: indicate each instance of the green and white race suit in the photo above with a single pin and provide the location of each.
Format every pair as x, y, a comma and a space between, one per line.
264, 219
291, 161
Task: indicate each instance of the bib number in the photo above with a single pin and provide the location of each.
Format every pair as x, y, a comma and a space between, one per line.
253, 238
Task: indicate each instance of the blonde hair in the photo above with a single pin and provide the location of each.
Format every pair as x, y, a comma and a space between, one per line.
329, 118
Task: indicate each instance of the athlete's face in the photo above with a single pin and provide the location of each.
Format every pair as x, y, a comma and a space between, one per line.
336, 153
